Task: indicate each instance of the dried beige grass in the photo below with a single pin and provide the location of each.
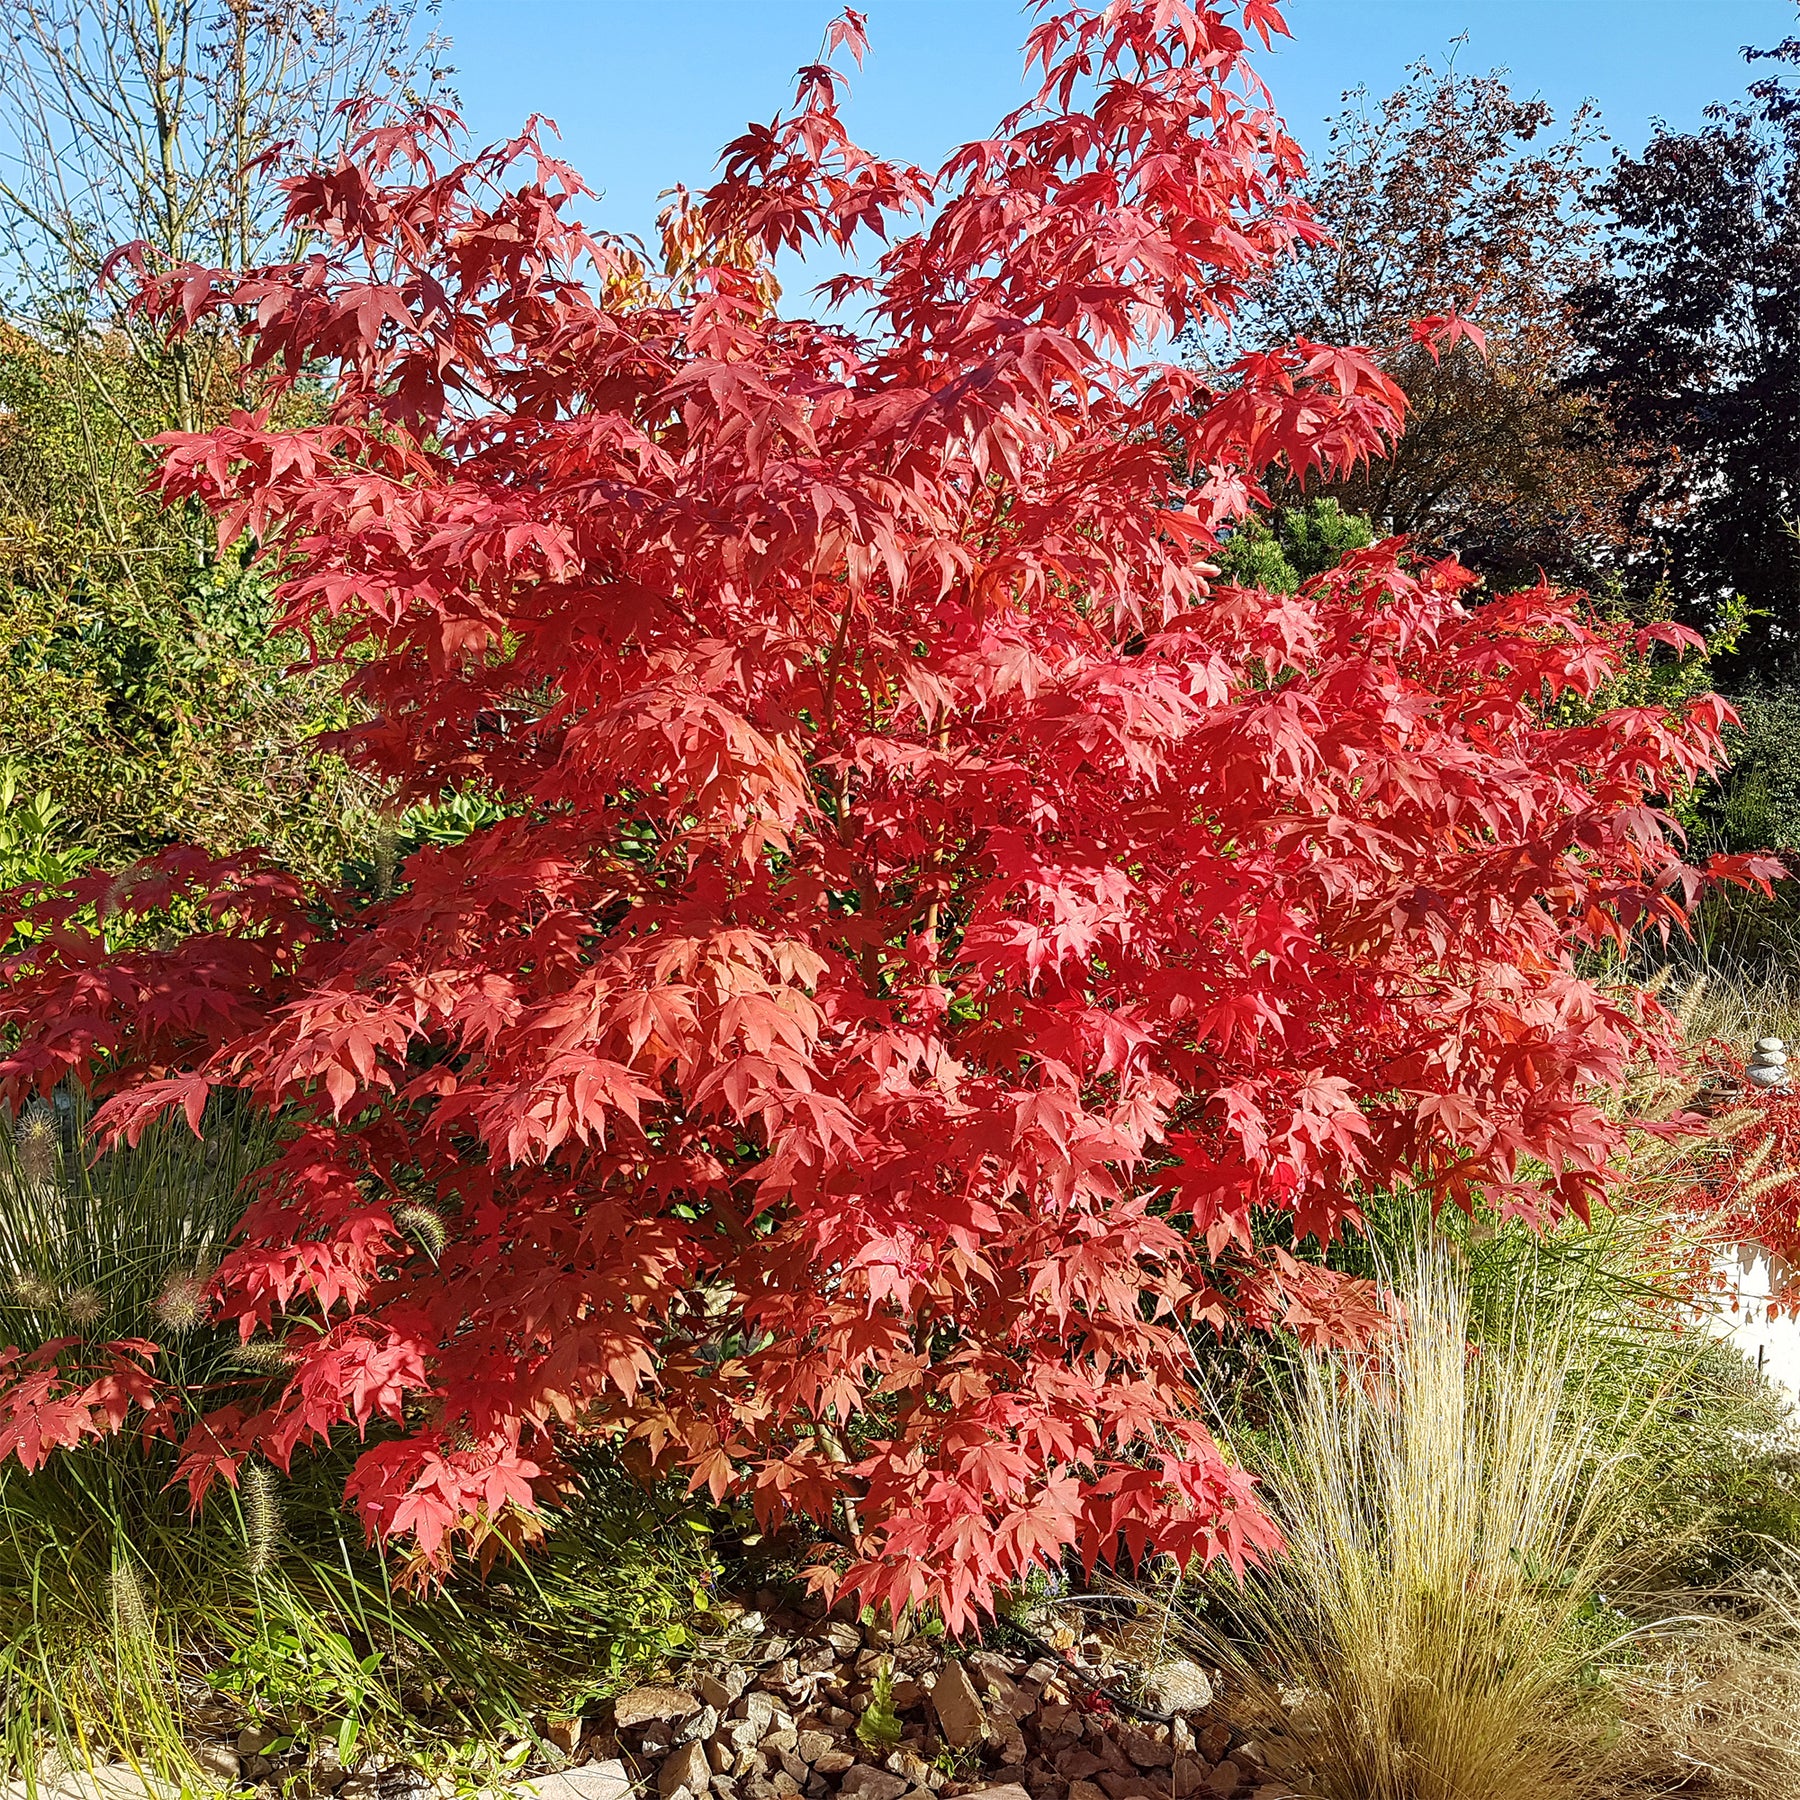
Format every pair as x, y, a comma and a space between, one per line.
1448, 1516
1715, 1707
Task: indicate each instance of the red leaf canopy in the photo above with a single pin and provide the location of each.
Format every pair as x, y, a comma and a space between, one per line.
940, 948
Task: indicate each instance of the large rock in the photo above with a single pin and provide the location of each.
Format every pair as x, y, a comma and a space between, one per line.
596, 1781
1225, 1780
685, 1772
653, 1706
1178, 1686
958, 1707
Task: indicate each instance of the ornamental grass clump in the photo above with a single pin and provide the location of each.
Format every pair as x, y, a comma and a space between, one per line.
1432, 1627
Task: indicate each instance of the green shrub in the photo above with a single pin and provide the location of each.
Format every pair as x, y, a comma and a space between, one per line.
1292, 545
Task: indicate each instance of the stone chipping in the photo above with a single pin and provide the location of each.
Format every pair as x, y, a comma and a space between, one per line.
770, 1712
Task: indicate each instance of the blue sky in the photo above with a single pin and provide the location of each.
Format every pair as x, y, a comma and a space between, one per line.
646, 91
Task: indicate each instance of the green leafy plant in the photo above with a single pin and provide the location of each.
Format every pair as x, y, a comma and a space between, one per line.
879, 1726
307, 1681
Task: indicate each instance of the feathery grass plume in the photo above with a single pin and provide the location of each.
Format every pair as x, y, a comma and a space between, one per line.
37, 1141
424, 1226
264, 1356
130, 1613
180, 1305
1738, 1006
34, 1291
1448, 1516
262, 1518
83, 1307
386, 856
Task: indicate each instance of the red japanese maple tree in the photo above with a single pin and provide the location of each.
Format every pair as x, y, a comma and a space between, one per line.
943, 953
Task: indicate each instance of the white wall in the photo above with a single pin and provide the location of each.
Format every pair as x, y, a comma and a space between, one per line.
1770, 1344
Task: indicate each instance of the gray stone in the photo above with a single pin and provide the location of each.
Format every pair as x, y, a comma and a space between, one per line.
595, 1781
958, 1707
1770, 1043
653, 1705
219, 1761
721, 1691
685, 1772
699, 1728
1178, 1686
809, 1746
866, 1783
758, 1709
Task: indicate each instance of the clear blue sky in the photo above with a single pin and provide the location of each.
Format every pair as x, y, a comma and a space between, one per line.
646, 91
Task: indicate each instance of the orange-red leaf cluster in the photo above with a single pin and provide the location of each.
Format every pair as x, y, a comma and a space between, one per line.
943, 956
